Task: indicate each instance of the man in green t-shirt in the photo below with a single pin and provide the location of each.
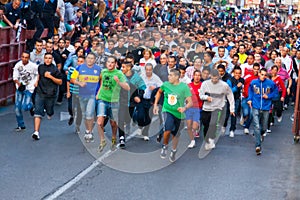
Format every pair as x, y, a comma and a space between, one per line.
111, 80
176, 94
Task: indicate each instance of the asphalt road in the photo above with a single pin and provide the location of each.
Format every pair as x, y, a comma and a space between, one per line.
60, 162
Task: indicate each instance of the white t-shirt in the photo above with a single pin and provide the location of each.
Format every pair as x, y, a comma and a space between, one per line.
26, 74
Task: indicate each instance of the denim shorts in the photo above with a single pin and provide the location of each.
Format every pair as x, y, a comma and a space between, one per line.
108, 109
88, 105
42, 103
193, 114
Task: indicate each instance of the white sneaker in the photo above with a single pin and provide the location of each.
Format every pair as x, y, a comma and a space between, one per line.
207, 146
246, 131
271, 124
146, 138
35, 135
139, 132
292, 118
269, 131
91, 137
231, 134
265, 134
212, 143
223, 129
192, 144
279, 119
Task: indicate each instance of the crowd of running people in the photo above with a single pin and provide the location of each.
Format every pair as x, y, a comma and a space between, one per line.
192, 60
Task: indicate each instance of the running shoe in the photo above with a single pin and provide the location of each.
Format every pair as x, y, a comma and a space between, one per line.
122, 142
86, 136
113, 144
158, 138
35, 135
101, 146
258, 151
192, 144
20, 128
164, 151
146, 138
223, 129
71, 120
172, 155
246, 131
196, 134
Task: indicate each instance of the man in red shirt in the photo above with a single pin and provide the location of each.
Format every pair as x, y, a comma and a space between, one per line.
246, 118
193, 113
278, 102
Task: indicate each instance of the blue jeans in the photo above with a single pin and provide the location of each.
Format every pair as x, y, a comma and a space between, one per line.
246, 113
260, 122
233, 118
22, 102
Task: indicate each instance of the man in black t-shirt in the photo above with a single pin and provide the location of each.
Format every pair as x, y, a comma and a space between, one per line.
49, 77
13, 13
63, 54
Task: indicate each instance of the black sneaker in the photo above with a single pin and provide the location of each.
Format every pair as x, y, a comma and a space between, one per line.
158, 138
19, 128
122, 143
31, 112
296, 139
71, 120
258, 151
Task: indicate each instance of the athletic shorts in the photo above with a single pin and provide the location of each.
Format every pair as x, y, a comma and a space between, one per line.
173, 124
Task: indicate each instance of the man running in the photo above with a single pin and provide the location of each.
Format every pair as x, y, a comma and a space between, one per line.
112, 80
176, 94
261, 93
24, 75
213, 93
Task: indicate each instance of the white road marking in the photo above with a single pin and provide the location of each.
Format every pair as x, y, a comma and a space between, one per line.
83, 173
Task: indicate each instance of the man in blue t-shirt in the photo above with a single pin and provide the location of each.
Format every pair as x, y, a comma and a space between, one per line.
87, 77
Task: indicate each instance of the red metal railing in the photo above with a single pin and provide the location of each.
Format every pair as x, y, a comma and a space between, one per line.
10, 53
296, 125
